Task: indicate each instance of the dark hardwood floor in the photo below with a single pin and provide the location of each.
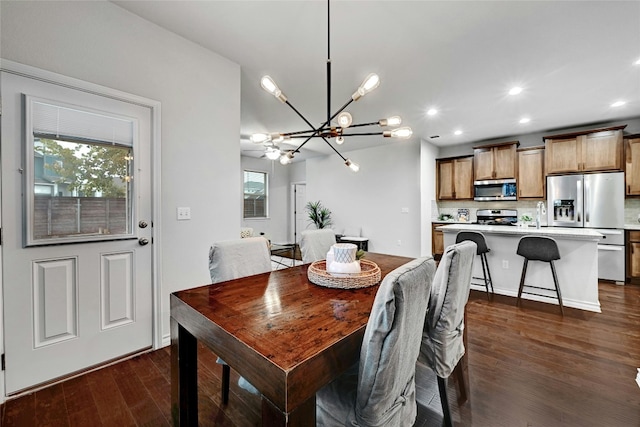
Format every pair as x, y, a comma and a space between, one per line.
527, 367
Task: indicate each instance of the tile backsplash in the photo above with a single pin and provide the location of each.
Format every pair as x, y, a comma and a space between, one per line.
631, 211
451, 207
631, 208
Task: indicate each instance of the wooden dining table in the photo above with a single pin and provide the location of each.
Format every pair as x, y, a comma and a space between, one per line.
285, 335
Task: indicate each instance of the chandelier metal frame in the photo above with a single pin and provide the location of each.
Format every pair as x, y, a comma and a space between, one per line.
326, 130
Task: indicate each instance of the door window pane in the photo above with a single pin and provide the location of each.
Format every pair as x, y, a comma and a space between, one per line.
80, 189
79, 174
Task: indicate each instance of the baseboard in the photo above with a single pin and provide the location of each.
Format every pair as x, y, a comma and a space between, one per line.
567, 302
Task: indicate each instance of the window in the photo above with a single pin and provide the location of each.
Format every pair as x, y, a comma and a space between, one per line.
255, 187
79, 183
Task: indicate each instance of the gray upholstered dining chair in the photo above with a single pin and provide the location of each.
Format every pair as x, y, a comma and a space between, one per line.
442, 339
314, 244
230, 260
380, 389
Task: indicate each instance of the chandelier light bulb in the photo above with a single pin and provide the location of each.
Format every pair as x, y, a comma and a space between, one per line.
286, 158
272, 153
276, 137
345, 119
340, 140
270, 86
371, 82
352, 165
391, 121
259, 138
401, 133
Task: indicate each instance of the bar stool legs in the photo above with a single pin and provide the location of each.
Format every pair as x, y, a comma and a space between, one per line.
481, 243
555, 282
486, 273
539, 248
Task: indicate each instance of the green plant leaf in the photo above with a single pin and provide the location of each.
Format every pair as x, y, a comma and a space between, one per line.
318, 214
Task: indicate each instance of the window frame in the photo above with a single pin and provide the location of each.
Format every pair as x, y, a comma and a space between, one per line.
266, 195
29, 180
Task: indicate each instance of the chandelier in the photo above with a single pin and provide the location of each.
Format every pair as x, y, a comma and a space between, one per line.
338, 130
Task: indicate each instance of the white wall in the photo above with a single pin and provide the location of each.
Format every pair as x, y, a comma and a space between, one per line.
388, 180
428, 155
275, 226
298, 172
101, 43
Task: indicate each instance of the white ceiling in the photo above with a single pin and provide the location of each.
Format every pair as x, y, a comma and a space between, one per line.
573, 59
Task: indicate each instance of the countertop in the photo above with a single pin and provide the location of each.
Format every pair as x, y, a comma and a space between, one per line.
632, 226
558, 232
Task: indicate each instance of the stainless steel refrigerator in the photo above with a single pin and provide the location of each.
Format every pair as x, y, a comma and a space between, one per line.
592, 201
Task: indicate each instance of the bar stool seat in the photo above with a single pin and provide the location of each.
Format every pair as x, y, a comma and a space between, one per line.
539, 248
481, 243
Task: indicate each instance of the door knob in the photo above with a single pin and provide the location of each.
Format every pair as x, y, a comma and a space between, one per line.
143, 224
143, 241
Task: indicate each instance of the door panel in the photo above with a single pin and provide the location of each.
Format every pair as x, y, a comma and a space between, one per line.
117, 289
68, 307
55, 311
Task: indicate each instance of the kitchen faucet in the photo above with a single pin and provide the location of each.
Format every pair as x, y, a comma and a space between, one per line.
540, 210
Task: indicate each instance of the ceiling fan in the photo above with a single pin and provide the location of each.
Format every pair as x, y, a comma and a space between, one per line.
270, 148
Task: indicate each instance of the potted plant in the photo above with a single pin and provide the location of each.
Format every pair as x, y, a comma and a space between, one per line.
526, 219
318, 214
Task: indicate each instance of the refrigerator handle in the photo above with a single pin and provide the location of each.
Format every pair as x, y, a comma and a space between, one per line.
587, 200
579, 207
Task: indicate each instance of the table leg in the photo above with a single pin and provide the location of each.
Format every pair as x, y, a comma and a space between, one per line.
302, 416
184, 376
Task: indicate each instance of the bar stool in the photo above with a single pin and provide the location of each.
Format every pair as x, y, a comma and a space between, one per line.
481, 243
539, 248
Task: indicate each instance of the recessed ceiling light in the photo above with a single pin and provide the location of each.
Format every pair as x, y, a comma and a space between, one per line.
432, 112
515, 90
525, 120
458, 132
637, 62
618, 104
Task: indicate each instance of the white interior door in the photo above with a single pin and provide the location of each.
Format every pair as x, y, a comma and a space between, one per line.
299, 213
77, 263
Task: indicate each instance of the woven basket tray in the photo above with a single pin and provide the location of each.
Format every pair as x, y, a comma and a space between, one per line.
368, 276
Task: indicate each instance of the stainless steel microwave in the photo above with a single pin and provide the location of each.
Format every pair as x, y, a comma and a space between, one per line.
494, 190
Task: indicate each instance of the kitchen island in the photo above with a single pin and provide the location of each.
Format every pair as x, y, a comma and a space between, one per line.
577, 269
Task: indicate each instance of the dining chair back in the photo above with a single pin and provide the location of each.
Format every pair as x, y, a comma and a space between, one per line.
380, 389
442, 339
314, 244
232, 259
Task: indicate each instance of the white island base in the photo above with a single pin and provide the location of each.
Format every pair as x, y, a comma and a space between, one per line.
577, 269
